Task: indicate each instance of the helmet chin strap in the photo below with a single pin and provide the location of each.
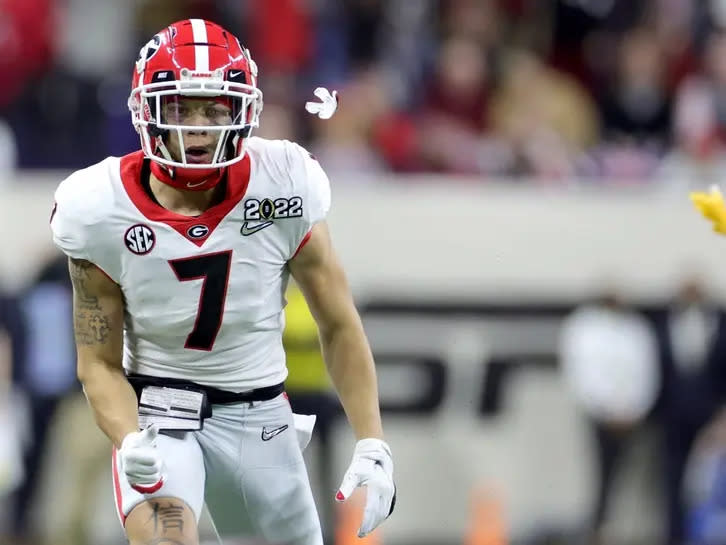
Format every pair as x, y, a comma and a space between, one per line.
188, 179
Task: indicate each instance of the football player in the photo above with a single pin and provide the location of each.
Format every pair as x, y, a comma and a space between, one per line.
179, 255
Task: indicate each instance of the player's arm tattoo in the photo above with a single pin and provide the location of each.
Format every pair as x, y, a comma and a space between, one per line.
79, 270
90, 323
167, 516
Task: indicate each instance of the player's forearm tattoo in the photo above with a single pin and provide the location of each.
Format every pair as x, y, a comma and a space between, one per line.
169, 516
90, 324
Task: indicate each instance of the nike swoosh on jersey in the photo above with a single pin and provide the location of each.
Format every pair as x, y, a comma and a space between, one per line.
248, 230
269, 434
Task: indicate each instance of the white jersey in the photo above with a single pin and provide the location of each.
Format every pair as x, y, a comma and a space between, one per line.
204, 295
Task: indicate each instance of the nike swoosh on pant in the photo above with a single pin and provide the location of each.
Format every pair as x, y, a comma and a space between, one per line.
269, 434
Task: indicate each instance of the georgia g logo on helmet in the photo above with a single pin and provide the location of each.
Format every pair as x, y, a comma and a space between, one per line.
148, 51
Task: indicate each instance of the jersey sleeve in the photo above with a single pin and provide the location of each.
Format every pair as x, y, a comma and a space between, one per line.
80, 220
311, 184
70, 231
318, 197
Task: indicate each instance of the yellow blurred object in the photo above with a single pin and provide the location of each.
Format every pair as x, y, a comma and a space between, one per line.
307, 372
711, 206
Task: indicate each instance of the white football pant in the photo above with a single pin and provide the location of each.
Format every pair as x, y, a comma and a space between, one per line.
246, 451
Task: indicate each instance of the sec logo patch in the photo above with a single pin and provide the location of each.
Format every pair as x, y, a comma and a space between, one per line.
139, 239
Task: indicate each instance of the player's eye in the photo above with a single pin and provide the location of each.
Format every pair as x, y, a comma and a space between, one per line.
176, 111
218, 113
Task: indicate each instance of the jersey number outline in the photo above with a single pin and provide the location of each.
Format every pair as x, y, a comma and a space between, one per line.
213, 270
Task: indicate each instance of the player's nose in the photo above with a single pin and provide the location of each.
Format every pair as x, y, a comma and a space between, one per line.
197, 131
199, 123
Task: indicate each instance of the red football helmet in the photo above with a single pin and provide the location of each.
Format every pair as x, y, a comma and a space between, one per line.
194, 59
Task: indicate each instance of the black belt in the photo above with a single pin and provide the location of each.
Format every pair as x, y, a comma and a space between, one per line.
215, 396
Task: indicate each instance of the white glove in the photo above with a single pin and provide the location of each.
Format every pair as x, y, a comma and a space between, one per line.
141, 462
327, 105
372, 467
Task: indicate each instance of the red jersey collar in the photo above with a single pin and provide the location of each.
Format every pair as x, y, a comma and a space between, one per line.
238, 178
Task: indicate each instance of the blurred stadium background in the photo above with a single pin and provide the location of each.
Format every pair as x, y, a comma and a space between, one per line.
510, 182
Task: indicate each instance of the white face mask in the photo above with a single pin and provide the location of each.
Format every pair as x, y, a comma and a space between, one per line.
146, 101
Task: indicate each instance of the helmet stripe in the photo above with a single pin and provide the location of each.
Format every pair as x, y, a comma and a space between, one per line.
201, 49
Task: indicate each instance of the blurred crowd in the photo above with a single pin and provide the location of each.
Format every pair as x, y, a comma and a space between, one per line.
631, 371
620, 90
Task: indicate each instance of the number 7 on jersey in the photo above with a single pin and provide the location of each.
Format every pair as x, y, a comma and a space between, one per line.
213, 270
